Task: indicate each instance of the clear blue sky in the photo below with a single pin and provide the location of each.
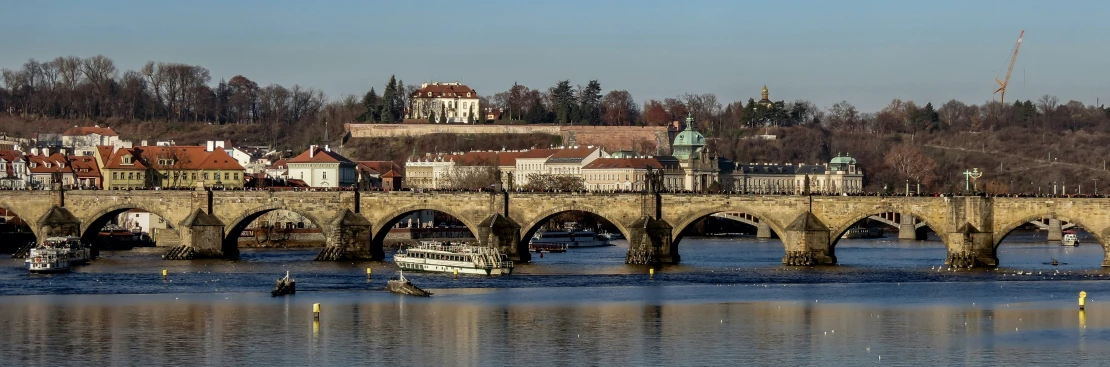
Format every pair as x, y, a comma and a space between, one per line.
865, 52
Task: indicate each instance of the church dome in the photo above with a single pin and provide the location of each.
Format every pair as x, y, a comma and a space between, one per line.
689, 142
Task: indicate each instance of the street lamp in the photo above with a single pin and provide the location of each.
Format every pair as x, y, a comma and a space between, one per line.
1096, 187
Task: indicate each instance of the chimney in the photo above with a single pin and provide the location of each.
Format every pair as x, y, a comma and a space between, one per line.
311, 151
327, 148
46, 152
34, 151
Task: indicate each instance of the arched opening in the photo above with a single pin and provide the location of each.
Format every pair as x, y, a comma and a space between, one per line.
729, 238
888, 240
411, 227
127, 227
272, 228
575, 237
1037, 243
14, 231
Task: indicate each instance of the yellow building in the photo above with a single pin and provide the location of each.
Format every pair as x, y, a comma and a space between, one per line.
171, 167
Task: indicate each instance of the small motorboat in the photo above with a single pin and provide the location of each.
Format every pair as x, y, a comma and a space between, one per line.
284, 286
1070, 239
400, 285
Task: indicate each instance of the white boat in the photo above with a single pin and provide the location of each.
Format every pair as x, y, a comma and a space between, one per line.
48, 259
571, 238
447, 257
79, 253
1070, 239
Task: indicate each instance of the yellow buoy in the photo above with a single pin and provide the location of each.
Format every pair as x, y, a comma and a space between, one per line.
165, 273
1082, 299
651, 272
316, 311
456, 272
369, 272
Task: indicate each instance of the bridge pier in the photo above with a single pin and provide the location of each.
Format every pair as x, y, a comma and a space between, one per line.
503, 233
202, 236
907, 229
807, 242
763, 231
970, 247
348, 236
58, 221
1055, 230
650, 243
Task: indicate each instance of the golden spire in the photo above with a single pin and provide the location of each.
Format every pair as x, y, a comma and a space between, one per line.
765, 93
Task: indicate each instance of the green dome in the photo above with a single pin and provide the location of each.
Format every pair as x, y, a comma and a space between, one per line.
843, 160
689, 142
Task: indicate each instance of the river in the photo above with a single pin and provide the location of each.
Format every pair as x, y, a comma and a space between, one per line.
730, 302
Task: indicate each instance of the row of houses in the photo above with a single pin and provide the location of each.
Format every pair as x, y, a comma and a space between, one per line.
690, 167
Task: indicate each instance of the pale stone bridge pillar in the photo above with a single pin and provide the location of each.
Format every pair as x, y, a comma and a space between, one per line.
969, 235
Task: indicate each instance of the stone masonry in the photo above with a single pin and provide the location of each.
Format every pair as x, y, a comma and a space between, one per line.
355, 224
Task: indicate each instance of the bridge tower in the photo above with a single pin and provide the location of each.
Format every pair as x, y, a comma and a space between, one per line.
649, 237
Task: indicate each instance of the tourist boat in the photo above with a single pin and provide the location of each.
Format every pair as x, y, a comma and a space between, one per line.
863, 232
401, 285
46, 258
1070, 239
447, 257
79, 253
571, 237
547, 247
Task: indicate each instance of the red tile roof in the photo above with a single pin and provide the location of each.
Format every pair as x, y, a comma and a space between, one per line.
391, 174
537, 153
116, 160
86, 130
321, 156
84, 166
581, 152
448, 90
182, 157
105, 153
379, 166
639, 163
55, 163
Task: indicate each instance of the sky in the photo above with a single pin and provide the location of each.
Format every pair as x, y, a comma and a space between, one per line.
863, 52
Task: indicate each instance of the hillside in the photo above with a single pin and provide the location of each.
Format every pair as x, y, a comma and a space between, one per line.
1015, 159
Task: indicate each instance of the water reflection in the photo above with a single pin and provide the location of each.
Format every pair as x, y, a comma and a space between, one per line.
377, 328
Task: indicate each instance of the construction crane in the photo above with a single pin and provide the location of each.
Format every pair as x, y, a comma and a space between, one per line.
1002, 84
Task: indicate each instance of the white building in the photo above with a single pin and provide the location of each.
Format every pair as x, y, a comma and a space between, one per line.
83, 140
447, 102
141, 220
321, 167
562, 161
13, 170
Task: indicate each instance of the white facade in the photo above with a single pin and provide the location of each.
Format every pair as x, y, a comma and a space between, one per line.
324, 174
140, 220
447, 102
86, 144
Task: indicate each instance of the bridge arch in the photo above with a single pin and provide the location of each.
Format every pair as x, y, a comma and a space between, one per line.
391, 218
1100, 234
92, 224
529, 229
235, 227
838, 230
19, 223
681, 226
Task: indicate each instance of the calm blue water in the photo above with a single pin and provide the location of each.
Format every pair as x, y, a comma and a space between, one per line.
729, 302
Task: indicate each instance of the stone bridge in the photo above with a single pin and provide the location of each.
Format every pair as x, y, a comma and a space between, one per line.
355, 224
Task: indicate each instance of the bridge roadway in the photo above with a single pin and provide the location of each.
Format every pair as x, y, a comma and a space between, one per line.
356, 223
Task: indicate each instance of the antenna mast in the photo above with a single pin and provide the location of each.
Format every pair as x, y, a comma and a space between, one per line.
1002, 84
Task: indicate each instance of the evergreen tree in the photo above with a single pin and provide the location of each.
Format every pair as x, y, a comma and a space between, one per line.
589, 103
470, 117
431, 116
563, 97
443, 112
388, 96
370, 106
399, 101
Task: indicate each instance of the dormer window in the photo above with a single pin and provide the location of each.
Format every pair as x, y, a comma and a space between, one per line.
468, 94
47, 164
126, 159
429, 94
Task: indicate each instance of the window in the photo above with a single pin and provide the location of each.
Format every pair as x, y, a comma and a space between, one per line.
236, 176
206, 176
115, 175
130, 175
226, 176
324, 175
